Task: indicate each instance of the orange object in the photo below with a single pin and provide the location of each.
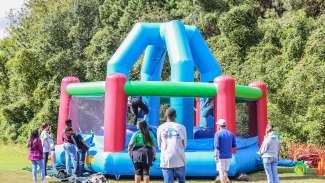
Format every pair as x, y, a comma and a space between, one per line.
320, 168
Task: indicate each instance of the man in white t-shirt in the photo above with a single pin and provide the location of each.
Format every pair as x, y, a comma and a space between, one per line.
171, 138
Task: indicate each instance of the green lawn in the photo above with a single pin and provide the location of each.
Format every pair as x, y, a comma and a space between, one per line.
14, 157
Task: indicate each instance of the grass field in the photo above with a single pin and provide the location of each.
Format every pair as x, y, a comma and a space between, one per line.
14, 157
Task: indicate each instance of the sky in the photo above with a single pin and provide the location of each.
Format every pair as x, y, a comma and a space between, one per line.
5, 7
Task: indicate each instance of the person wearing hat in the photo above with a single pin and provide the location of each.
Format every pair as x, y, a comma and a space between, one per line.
224, 141
171, 137
270, 151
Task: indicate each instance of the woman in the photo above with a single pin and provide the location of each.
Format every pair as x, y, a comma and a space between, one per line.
142, 151
45, 143
36, 155
270, 152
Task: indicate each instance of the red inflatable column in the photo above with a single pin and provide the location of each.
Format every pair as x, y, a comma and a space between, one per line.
197, 112
115, 113
226, 102
252, 119
261, 109
64, 106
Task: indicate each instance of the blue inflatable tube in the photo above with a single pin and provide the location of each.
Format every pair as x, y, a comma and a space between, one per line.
199, 159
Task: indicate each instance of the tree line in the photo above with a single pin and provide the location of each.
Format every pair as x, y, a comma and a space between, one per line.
278, 41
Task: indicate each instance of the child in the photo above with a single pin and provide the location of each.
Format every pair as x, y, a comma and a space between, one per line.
82, 148
36, 155
45, 143
52, 148
70, 150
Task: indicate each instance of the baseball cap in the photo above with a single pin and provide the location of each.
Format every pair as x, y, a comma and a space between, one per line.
221, 122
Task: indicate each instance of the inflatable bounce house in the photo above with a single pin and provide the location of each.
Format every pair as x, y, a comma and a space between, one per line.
98, 110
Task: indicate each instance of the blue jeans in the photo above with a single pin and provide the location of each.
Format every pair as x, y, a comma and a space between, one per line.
70, 151
271, 169
40, 163
170, 173
80, 163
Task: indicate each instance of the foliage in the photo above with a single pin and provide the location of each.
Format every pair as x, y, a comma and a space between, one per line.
280, 42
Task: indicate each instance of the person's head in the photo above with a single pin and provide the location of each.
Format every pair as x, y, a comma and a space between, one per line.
68, 123
45, 126
142, 126
170, 114
69, 131
221, 123
269, 128
34, 135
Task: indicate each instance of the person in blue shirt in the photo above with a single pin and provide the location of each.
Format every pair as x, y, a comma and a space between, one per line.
224, 141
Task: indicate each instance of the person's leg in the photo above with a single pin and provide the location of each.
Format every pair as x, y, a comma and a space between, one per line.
45, 158
144, 108
138, 172
146, 174
227, 166
168, 174
82, 162
34, 170
74, 157
274, 167
135, 111
207, 112
268, 170
42, 170
78, 163
53, 160
180, 174
67, 159
137, 178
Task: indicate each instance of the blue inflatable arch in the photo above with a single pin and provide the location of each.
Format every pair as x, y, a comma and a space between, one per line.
186, 49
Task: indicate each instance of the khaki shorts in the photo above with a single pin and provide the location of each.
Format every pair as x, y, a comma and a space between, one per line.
223, 164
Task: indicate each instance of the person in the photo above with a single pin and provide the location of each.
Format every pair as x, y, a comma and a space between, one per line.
52, 149
270, 151
82, 148
36, 155
45, 143
171, 138
209, 109
135, 102
142, 150
224, 141
70, 150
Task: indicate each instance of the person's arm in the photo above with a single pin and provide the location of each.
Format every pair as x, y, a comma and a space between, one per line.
84, 143
234, 141
159, 138
184, 140
39, 146
131, 143
263, 147
153, 145
216, 147
206, 102
45, 139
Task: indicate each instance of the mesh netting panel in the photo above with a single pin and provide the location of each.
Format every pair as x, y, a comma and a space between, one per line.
88, 112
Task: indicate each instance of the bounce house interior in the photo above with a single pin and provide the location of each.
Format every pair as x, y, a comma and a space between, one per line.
98, 110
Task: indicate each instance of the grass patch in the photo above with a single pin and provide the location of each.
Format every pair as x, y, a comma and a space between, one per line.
13, 158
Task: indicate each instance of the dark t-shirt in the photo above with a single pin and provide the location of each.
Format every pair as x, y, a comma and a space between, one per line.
67, 138
77, 140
